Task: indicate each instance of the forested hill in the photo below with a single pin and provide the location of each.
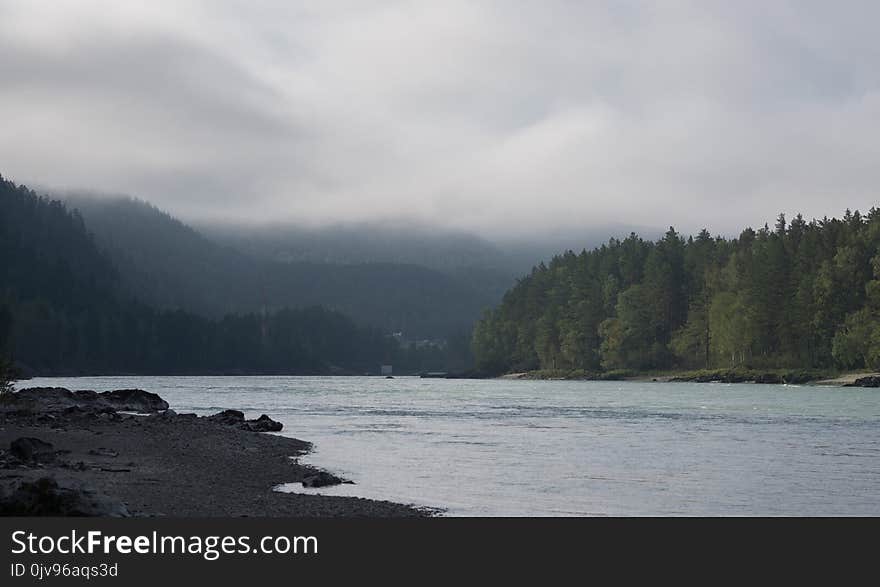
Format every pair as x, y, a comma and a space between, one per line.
398, 242
800, 295
167, 264
62, 310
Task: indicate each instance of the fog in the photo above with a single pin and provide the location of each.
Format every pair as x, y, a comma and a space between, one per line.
513, 120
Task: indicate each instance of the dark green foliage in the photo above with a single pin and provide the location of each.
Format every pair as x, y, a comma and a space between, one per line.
800, 296
63, 310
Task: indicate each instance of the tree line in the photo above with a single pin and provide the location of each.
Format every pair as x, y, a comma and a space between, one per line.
798, 295
64, 311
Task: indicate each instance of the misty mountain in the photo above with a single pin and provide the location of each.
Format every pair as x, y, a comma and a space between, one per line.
406, 244
466, 258
63, 309
166, 263
490, 266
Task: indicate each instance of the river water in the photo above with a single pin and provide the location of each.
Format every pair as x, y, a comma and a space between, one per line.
562, 448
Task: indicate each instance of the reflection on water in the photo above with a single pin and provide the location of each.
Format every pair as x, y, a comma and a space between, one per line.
565, 448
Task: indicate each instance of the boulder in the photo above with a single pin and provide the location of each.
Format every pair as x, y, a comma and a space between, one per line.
32, 450
58, 399
228, 418
85, 397
263, 424
322, 479
134, 400
44, 497
40, 399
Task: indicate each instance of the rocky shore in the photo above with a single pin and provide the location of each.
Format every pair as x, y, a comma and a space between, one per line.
124, 453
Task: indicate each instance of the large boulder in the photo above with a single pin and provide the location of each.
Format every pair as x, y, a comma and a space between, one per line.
44, 497
236, 418
43, 399
134, 400
228, 418
263, 424
58, 399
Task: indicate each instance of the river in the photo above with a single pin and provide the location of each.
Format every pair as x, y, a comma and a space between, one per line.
564, 448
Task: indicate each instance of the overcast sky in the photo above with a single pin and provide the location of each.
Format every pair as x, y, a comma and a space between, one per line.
503, 117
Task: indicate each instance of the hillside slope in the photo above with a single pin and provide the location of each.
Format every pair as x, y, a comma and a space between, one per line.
63, 309
166, 263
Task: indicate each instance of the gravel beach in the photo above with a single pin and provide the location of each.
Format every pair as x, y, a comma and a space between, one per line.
167, 464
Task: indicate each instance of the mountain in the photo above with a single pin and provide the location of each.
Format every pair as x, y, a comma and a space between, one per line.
347, 244
168, 264
490, 266
65, 306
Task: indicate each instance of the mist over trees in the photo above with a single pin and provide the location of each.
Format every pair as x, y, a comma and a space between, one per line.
167, 264
391, 241
798, 295
63, 309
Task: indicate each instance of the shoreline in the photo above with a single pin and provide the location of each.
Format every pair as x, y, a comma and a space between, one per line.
865, 379
168, 464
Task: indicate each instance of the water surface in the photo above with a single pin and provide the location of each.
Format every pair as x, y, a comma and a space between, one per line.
557, 448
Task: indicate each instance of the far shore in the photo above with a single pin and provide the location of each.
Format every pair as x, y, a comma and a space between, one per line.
777, 377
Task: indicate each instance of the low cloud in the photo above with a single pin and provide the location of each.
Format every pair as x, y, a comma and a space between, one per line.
506, 118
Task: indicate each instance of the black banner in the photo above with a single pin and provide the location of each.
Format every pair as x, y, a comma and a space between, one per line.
257, 551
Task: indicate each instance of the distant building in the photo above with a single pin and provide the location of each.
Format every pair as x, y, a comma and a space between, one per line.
385, 370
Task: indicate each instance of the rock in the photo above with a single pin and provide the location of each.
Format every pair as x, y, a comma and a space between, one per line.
134, 400
32, 450
85, 397
40, 399
44, 497
228, 418
58, 399
870, 381
236, 418
322, 479
263, 424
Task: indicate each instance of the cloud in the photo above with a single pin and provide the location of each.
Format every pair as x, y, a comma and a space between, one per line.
507, 118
